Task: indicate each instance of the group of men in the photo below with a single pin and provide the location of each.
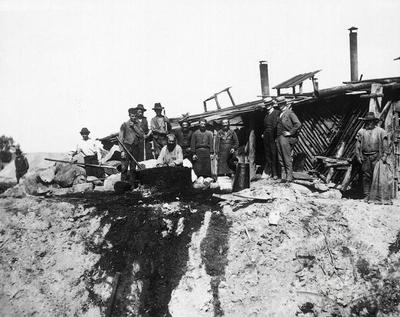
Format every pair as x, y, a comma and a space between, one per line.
170, 148
207, 144
281, 129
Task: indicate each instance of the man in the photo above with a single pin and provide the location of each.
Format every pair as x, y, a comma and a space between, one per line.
372, 145
160, 127
269, 139
144, 145
202, 146
21, 164
130, 133
171, 154
287, 130
226, 143
90, 150
184, 136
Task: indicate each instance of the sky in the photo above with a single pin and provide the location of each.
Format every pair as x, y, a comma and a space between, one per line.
68, 64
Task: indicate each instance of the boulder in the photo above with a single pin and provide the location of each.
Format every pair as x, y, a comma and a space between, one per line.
82, 188
110, 181
66, 174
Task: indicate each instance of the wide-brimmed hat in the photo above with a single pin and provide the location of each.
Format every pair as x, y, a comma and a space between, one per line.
84, 131
280, 100
268, 102
157, 106
370, 116
140, 107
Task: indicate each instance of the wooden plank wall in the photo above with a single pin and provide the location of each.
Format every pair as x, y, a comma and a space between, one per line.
326, 124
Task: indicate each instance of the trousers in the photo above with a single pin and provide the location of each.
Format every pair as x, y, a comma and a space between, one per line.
128, 166
285, 147
367, 167
271, 154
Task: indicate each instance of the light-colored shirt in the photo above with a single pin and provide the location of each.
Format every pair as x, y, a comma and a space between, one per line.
167, 157
88, 148
159, 124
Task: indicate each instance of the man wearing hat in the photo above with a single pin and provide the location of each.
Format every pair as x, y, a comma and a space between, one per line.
226, 144
271, 168
160, 127
144, 145
372, 145
90, 150
21, 163
184, 137
287, 129
130, 134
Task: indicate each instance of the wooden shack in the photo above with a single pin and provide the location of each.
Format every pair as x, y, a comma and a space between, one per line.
330, 120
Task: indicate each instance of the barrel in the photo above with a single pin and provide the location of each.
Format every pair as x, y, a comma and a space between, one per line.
242, 177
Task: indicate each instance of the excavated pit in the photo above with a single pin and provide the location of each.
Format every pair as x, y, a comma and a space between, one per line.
148, 245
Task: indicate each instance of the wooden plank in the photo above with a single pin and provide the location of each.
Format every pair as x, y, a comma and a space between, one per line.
375, 102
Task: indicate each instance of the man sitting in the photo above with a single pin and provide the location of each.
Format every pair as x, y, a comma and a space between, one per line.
171, 154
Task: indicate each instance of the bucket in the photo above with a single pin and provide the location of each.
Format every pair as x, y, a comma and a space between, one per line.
242, 177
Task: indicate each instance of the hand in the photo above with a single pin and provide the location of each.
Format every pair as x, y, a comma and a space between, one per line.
212, 156
172, 164
195, 158
286, 133
232, 151
123, 155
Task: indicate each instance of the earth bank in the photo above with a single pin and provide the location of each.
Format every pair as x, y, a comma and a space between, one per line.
194, 255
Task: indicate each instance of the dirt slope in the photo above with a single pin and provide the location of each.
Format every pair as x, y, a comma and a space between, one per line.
183, 255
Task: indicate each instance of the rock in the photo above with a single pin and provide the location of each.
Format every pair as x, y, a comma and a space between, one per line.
65, 174
61, 191
82, 188
47, 176
330, 194
110, 181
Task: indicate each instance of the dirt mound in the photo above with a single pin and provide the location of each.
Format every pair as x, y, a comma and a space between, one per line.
187, 256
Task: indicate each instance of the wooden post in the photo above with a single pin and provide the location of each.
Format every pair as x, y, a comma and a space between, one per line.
375, 103
216, 101
205, 106
230, 96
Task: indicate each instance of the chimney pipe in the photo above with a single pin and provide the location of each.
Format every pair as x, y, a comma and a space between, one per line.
264, 78
353, 53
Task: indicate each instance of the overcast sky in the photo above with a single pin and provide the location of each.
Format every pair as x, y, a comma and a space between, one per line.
66, 64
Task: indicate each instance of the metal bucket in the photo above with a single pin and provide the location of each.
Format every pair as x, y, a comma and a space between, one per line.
242, 177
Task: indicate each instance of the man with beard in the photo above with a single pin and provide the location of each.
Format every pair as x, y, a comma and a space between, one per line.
226, 144
160, 127
184, 136
202, 146
171, 154
144, 145
288, 126
372, 145
130, 134
269, 137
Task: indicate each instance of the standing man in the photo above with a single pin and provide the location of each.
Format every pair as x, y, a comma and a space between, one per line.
21, 164
372, 145
269, 139
226, 143
184, 137
144, 145
287, 130
202, 146
130, 134
171, 154
90, 150
160, 127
